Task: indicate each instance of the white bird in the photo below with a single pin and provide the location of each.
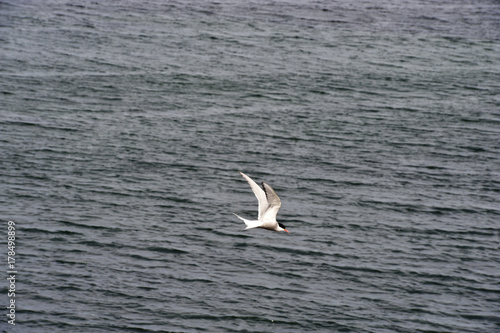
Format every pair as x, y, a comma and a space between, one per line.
269, 204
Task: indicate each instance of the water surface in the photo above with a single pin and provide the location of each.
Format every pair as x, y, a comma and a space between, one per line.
124, 126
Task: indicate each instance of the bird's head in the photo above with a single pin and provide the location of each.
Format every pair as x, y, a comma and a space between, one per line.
282, 226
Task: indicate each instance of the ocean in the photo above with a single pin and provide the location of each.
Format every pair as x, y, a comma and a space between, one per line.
124, 125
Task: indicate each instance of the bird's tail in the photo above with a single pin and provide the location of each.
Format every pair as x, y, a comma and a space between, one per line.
250, 224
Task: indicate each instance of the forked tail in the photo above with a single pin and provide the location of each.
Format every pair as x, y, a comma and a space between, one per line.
250, 224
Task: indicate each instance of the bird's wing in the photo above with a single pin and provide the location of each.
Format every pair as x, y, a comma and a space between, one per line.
273, 201
260, 194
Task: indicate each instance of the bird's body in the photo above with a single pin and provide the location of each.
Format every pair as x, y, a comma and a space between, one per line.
269, 205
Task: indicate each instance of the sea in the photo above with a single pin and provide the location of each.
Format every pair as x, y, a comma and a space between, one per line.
124, 125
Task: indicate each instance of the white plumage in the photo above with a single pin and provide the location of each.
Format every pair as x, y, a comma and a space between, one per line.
269, 205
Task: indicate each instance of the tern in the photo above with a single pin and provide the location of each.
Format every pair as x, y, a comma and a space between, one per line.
269, 204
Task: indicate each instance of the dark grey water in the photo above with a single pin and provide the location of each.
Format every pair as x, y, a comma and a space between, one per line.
124, 124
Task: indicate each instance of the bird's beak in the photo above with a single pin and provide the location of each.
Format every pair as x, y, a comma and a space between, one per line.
286, 230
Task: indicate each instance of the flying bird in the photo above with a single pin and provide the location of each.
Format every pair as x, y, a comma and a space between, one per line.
269, 204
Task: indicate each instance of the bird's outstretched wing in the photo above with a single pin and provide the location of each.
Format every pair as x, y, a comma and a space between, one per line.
261, 195
273, 201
